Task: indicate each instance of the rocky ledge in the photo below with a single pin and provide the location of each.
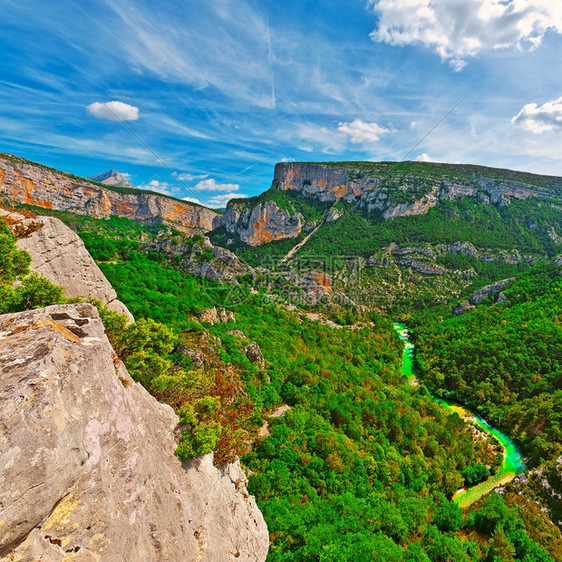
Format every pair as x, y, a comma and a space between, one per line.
89, 470
59, 254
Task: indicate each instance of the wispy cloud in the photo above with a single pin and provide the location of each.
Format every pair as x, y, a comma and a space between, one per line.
113, 111
161, 187
459, 29
539, 119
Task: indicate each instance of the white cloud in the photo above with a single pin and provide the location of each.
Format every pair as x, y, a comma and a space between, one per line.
424, 157
457, 29
539, 119
287, 159
219, 201
211, 184
190, 177
113, 111
360, 132
193, 200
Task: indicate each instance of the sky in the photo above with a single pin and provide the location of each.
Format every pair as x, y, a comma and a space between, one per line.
199, 99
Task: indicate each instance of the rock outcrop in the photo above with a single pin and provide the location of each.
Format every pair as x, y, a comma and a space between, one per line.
87, 455
261, 224
59, 254
25, 182
254, 354
202, 259
215, 315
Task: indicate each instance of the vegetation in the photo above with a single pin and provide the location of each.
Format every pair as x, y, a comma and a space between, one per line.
32, 290
503, 360
362, 466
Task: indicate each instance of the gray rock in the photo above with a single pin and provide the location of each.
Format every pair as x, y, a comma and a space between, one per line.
237, 333
463, 307
59, 254
216, 315
254, 354
113, 177
489, 290
87, 455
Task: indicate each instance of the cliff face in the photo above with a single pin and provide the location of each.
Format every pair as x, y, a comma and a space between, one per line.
374, 190
59, 254
261, 224
384, 188
23, 182
89, 470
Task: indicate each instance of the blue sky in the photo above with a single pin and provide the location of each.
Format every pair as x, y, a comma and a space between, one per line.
220, 91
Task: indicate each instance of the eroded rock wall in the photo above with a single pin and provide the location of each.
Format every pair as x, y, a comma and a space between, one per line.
25, 182
87, 455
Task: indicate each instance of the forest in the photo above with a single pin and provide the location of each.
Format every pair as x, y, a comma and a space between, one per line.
362, 467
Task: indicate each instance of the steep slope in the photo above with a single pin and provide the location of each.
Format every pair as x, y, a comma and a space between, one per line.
384, 190
59, 254
22, 181
503, 357
89, 469
417, 233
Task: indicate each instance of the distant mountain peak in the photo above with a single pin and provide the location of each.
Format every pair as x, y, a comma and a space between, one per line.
112, 177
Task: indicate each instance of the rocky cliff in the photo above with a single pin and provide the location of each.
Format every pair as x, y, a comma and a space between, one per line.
59, 254
89, 470
384, 189
25, 182
397, 190
260, 224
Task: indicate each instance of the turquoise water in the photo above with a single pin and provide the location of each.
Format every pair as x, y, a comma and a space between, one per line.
513, 459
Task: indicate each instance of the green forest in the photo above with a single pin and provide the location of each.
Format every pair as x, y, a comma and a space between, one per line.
364, 465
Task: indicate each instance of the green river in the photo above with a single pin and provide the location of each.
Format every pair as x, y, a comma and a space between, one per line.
512, 458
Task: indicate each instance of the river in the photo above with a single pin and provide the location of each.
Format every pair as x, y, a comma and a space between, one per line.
512, 457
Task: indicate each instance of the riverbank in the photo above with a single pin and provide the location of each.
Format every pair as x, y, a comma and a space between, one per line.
512, 457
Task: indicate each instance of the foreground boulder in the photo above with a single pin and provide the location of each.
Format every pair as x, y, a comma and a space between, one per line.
87, 456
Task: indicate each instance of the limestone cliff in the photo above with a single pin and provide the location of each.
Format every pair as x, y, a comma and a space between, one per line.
388, 188
87, 455
25, 182
260, 224
59, 254
385, 189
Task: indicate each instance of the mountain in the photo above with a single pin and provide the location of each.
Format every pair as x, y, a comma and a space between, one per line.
415, 232
29, 183
112, 177
346, 458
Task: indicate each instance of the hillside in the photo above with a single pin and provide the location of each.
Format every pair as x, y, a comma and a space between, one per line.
416, 232
29, 183
279, 366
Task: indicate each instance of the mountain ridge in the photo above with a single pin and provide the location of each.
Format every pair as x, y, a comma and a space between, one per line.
30, 183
